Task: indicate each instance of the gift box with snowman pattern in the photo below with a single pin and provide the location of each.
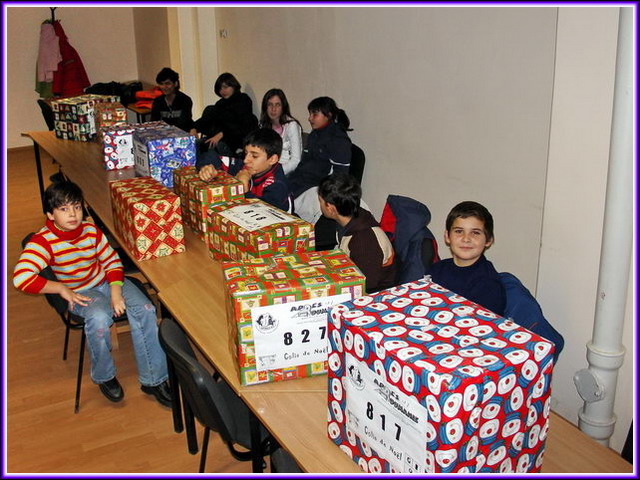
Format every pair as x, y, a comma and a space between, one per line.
421, 380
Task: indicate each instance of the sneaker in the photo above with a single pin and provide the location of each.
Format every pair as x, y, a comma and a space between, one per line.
112, 390
162, 393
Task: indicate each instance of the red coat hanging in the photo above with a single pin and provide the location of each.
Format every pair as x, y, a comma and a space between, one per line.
71, 78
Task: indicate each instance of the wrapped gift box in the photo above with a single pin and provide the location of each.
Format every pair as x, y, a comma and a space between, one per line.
250, 228
422, 380
74, 117
117, 143
109, 114
278, 312
147, 216
199, 196
159, 151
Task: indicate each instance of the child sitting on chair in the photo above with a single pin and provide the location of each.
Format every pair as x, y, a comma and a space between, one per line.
260, 173
90, 277
359, 235
468, 233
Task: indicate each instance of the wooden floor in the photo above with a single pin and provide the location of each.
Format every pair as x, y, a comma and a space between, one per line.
43, 435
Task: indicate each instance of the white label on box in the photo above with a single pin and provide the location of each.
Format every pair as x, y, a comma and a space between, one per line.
291, 334
141, 155
256, 216
389, 421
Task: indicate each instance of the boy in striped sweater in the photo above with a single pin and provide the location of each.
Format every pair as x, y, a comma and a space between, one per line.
91, 278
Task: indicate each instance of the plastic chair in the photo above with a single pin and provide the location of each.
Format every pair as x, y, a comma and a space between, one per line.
356, 168
75, 322
47, 113
214, 404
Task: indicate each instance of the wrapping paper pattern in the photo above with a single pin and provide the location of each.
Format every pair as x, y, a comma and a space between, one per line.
160, 151
117, 143
227, 240
278, 280
109, 114
75, 116
197, 196
482, 381
148, 217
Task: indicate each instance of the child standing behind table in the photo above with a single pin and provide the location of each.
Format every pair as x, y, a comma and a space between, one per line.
468, 233
260, 173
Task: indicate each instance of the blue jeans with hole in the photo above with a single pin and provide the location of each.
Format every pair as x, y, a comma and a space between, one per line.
98, 317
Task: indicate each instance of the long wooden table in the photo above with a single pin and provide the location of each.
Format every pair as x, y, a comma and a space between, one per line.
190, 287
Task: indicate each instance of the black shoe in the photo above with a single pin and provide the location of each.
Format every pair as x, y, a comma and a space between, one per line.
162, 393
112, 390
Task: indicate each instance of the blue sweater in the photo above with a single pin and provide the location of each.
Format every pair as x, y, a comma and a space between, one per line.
479, 282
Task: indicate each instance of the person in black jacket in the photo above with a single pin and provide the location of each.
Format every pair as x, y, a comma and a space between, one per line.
225, 124
173, 107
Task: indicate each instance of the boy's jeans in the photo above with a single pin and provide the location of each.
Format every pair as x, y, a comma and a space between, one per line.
98, 317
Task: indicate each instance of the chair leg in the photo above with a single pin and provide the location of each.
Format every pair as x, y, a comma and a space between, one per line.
80, 367
176, 405
205, 446
113, 331
66, 341
190, 426
256, 445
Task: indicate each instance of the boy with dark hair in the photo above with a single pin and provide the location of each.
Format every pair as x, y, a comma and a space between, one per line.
468, 233
360, 236
90, 277
173, 106
260, 173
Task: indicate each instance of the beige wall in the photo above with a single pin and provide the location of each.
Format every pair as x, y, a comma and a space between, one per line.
151, 41
111, 58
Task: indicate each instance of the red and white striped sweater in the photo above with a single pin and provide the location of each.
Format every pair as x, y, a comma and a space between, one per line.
81, 259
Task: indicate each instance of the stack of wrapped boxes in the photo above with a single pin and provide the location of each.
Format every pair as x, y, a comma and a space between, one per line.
278, 312
148, 217
159, 151
75, 117
117, 143
247, 229
109, 115
197, 196
422, 380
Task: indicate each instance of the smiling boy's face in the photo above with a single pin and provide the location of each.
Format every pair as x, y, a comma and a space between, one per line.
256, 160
467, 240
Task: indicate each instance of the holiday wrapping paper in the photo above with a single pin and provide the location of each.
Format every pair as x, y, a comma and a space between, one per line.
109, 114
74, 117
278, 312
117, 143
159, 151
422, 380
147, 216
198, 196
249, 228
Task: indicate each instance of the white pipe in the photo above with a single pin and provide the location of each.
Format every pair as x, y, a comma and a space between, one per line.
605, 352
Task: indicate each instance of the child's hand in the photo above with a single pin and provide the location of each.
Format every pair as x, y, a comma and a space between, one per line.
244, 176
117, 301
207, 173
213, 141
73, 298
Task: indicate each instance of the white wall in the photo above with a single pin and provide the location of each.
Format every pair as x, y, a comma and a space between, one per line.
102, 36
574, 201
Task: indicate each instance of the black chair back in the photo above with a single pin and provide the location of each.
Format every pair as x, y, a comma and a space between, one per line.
47, 113
356, 169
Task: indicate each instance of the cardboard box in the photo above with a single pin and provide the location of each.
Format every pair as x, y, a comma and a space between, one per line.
74, 117
148, 217
109, 114
159, 151
199, 196
278, 312
422, 380
117, 143
249, 228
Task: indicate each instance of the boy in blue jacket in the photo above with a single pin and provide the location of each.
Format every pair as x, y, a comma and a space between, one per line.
468, 233
260, 173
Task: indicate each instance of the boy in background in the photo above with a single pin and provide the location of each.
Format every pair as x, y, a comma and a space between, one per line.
260, 173
91, 278
359, 235
468, 233
173, 106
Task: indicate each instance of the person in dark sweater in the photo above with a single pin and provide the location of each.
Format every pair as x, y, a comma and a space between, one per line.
260, 173
328, 148
225, 124
173, 107
468, 233
360, 235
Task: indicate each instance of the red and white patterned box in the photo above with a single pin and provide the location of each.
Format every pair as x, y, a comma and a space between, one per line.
117, 143
148, 217
249, 228
109, 114
422, 380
